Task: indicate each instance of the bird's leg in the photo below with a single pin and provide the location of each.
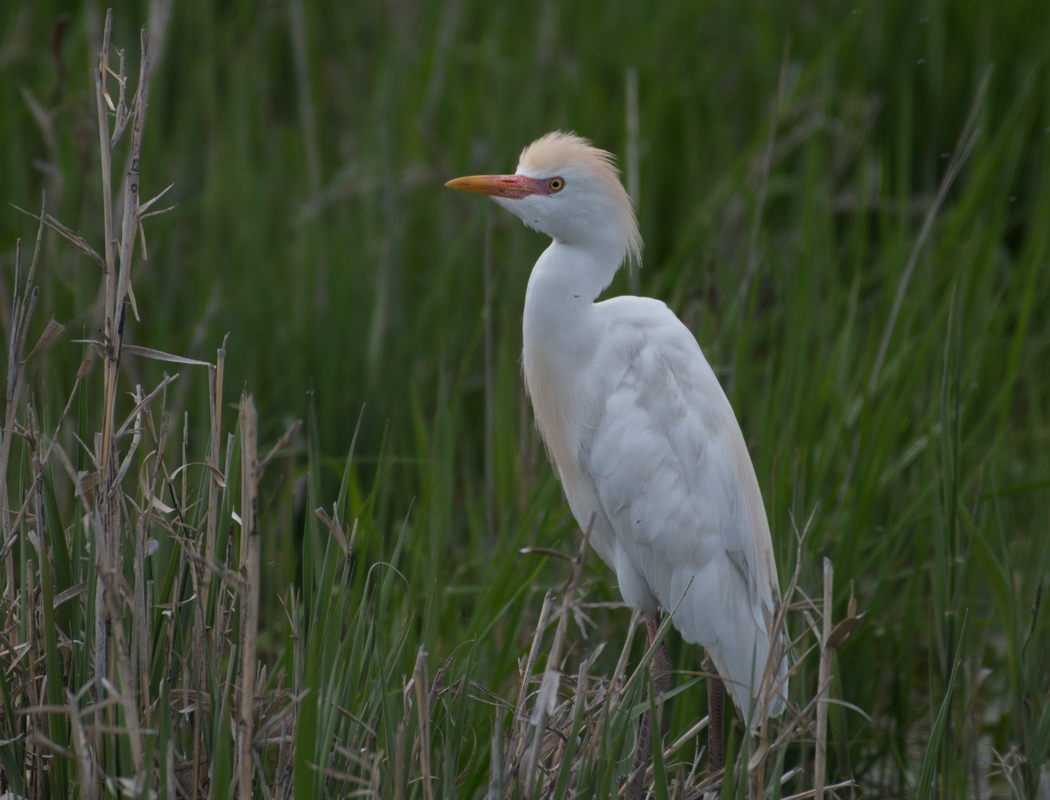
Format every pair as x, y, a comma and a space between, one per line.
660, 670
660, 666
636, 789
716, 699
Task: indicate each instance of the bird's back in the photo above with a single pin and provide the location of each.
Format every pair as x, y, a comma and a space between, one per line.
654, 461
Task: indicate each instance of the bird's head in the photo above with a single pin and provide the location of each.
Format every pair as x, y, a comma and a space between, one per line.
568, 189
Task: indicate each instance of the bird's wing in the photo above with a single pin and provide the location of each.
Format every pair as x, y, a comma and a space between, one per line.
674, 478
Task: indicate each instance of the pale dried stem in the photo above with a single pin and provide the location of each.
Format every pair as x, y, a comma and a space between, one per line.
117, 271
496, 764
125, 693
547, 695
106, 163
215, 379
23, 305
81, 750
534, 652
33, 720
625, 654
532, 759
42, 641
282, 443
823, 688
250, 597
106, 551
423, 710
150, 499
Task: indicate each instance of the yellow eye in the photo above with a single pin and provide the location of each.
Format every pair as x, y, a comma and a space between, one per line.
556, 184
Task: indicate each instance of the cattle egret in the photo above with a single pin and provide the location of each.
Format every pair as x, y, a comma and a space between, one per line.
647, 447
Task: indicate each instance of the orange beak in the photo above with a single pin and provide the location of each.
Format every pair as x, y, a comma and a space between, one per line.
516, 186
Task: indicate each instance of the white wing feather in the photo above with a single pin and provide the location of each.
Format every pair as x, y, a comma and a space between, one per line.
666, 476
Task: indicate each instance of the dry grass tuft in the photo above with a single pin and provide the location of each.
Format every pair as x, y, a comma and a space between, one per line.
131, 586
569, 725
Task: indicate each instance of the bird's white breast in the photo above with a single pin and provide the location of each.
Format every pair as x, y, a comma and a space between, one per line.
566, 399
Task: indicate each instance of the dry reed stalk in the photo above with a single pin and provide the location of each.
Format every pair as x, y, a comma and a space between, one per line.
496, 764
216, 480
117, 271
140, 629
592, 705
823, 687
45, 639
780, 645
23, 304
547, 694
399, 759
250, 590
625, 654
22, 307
125, 690
534, 653
35, 765
81, 749
419, 678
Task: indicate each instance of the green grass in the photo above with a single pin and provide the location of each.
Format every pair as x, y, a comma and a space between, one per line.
789, 158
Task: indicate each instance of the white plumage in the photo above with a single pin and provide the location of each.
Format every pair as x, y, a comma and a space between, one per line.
639, 429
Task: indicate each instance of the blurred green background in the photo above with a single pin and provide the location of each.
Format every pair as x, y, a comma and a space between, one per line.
788, 156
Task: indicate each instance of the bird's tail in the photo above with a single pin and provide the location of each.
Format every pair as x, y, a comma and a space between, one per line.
735, 632
757, 683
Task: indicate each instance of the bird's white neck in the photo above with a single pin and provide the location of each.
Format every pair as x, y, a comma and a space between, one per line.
562, 336
560, 324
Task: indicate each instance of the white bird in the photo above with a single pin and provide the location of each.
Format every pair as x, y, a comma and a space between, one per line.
646, 444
